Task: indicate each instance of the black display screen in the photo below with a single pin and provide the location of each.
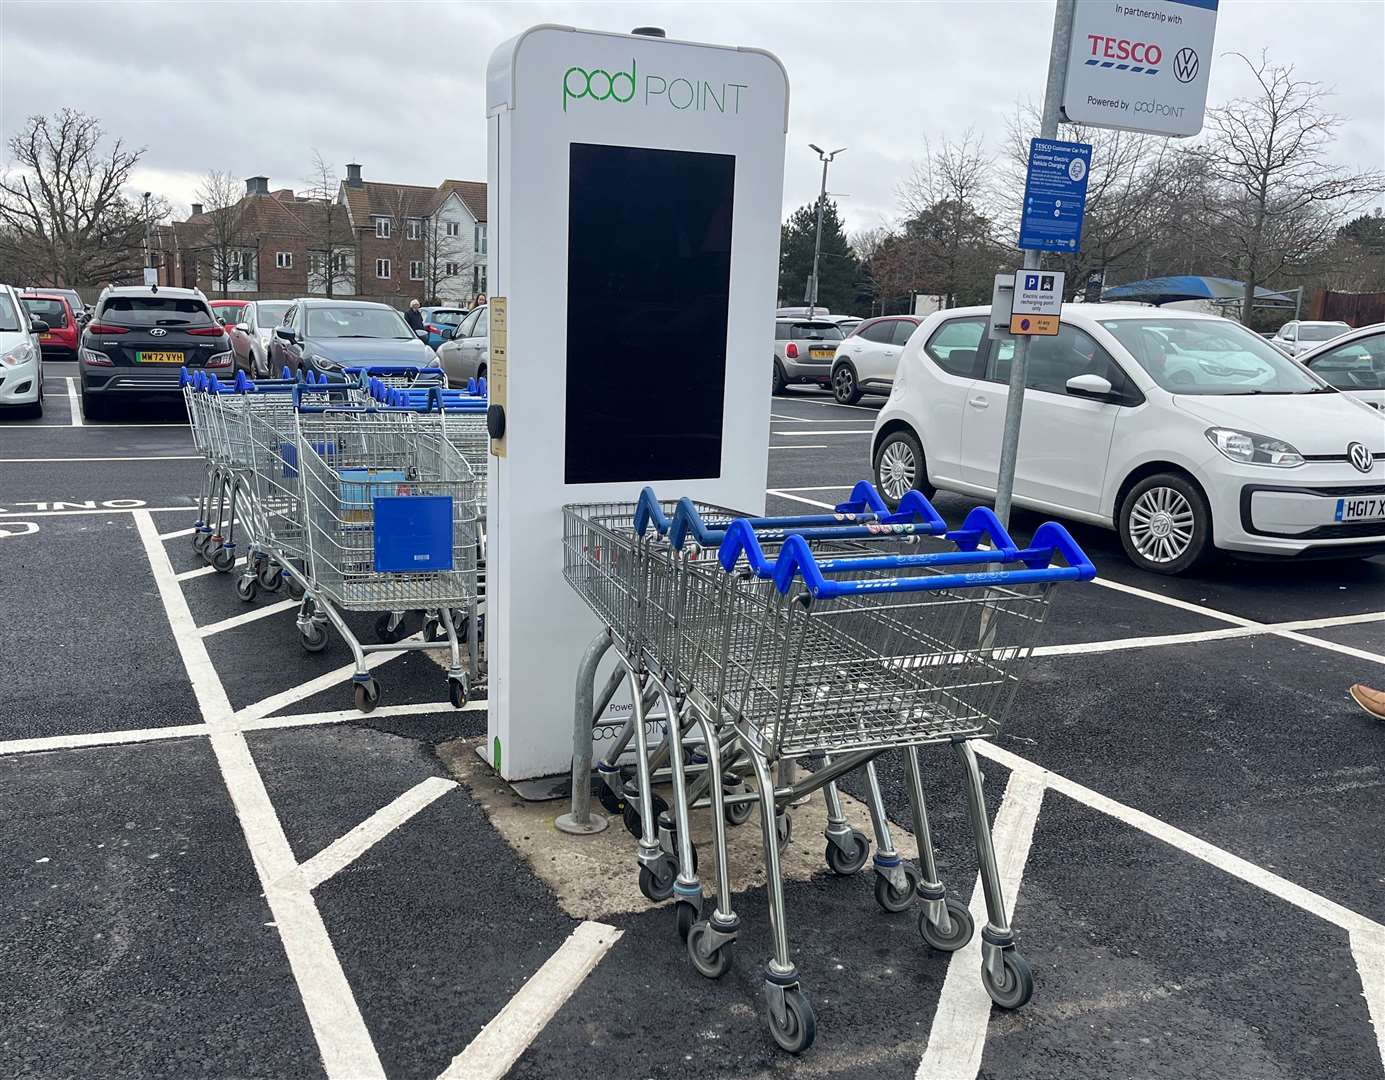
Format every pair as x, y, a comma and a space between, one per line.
649, 278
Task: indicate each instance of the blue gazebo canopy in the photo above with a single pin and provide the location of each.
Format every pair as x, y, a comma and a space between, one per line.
1166, 290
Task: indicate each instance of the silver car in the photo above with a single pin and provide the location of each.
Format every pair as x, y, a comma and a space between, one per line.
1354, 363
1300, 336
467, 355
803, 351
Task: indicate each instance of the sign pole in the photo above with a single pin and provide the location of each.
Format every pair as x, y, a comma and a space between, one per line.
1048, 129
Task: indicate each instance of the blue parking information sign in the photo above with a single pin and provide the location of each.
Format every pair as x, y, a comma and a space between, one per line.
1055, 195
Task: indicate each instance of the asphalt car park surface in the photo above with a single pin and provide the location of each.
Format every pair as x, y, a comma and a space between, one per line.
216, 868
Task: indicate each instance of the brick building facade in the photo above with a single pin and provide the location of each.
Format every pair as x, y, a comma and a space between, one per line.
376, 241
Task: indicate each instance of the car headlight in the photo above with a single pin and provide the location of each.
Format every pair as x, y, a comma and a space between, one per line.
20, 354
1251, 449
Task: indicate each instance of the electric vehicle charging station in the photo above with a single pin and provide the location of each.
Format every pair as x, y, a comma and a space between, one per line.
634, 199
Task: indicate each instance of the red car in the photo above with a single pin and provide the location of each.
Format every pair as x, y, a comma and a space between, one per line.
60, 342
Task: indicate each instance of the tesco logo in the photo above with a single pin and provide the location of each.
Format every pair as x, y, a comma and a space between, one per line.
1138, 52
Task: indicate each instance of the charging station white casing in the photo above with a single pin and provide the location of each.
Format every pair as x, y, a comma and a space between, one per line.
547, 89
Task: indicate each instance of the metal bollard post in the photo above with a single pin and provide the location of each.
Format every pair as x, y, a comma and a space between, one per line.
580, 820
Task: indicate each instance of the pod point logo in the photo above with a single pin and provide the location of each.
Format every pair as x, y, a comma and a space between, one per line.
677, 92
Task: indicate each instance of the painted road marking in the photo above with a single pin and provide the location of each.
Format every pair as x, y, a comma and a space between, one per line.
806, 446
345, 850
203, 571
275, 702
104, 509
1368, 949
246, 617
193, 529
341, 716
499, 1044
348, 1053
854, 431
171, 425
52, 460
74, 402
958, 1035
18, 528
99, 738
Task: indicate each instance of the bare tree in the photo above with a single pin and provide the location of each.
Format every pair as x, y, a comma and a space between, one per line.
331, 245
1274, 196
444, 257
947, 203
64, 216
224, 207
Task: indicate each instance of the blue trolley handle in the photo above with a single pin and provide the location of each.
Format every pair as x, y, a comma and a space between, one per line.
796, 559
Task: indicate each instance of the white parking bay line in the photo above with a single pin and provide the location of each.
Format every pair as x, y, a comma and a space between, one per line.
342, 716
783, 494
1368, 949
128, 457
74, 401
275, 702
348, 1053
958, 1036
203, 571
345, 850
100, 738
499, 1044
246, 617
801, 446
822, 431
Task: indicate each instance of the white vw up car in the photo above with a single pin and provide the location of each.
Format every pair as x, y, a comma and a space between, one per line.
21, 361
1185, 433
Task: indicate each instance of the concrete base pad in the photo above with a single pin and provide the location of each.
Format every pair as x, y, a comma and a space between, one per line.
596, 875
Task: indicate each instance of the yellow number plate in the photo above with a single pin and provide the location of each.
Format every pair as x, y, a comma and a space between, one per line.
820, 354
158, 358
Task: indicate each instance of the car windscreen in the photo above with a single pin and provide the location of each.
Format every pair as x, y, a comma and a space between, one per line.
1210, 356
815, 331
9, 318
447, 318
1321, 331
232, 313
269, 313
53, 312
138, 311
356, 322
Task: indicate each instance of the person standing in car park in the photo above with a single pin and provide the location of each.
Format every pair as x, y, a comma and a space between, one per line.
414, 317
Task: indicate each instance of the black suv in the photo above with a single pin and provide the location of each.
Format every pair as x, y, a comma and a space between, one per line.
139, 338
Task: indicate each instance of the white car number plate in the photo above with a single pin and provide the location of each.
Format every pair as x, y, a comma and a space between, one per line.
1365, 508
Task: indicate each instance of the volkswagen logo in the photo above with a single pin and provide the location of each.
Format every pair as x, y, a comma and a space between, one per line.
1185, 65
158, 331
1359, 456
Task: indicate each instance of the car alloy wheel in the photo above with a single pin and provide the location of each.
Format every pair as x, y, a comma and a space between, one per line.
844, 386
898, 469
1161, 525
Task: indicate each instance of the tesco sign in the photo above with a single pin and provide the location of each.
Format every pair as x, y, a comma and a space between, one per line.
1123, 49
1140, 66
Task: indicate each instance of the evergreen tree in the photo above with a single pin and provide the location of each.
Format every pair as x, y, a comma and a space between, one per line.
838, 270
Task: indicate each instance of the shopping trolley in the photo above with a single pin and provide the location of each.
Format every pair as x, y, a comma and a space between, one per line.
840, 648
389, 515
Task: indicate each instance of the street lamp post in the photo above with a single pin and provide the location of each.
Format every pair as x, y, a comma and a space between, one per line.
148, 233
826, 160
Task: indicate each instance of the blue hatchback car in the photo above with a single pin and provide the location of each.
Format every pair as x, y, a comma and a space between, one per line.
441, 323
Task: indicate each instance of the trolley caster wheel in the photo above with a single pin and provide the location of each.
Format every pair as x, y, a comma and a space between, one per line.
456, 692
270, 577
223, 558
246, 588
387, 634
200, 540
738, 813
1018, 985
609, 800
848, 862
433, 630
962, 927
713, 964
313, 639
657, 882
686, 916
296, 589
795, 1033
783, 829
367, 695
896, 900
631, 815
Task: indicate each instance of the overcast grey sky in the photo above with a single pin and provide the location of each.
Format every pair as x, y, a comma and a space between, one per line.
400, 87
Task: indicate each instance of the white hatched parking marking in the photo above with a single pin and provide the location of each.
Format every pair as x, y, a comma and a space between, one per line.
345, 850
100, 738
147, 457
246, 617
823, 431
203, 571
1368, 949
348, 1053
499, 1044
958, 1036
805, 446
275, 702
